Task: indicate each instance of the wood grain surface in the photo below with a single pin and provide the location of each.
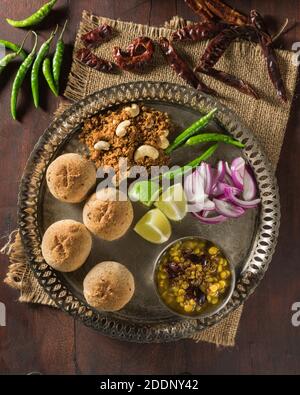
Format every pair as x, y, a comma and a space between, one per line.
45, 340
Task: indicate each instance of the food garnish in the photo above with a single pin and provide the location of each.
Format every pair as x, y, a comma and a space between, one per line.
58, 57
12, 56
213, 137
88, 58
224, 12
14, 47
266, 43
200, 8
172, 202
221, 42
181, 67
154, 227
231, 80
191, 131
198, 31
96, 36
144, 191
222, 192
192, 275
47, 71
191, 165
21, 74
35, 18
147, 191
41, 55
137, 55
236, 25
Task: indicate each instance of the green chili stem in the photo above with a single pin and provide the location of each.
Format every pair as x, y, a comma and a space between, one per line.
210, 137
63, 31
14, 47
191, 131
11, 56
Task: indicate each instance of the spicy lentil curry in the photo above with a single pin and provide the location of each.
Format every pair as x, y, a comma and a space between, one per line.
192, 275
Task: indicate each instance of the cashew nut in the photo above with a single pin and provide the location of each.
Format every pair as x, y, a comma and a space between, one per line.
133, 110
102, 146
163, 142
145, 150
121, 128
164, 133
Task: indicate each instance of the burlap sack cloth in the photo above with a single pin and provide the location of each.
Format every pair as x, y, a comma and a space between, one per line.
267, 118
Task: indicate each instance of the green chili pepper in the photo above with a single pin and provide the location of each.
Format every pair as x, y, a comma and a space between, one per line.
36, 68
21, 74
58, 57
14, 48
190, 131
11, 56
35, 18
146, 191
208, 137
47, 71
189, 166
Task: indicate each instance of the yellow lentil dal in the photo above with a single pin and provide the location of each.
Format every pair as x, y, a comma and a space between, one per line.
191, 275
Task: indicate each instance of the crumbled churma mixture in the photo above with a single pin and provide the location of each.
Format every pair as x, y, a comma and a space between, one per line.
149, 127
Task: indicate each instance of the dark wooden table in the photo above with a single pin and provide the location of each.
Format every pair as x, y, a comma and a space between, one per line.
45, 340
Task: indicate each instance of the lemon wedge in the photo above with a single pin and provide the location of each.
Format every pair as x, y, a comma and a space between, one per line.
173, 202
154, 227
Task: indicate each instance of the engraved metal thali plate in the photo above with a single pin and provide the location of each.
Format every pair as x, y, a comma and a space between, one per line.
249, 241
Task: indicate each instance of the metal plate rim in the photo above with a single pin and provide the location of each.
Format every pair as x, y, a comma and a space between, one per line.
258, 260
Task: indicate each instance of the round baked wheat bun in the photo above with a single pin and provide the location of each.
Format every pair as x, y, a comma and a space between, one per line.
66, 245
107, 217
109, 286
70, 177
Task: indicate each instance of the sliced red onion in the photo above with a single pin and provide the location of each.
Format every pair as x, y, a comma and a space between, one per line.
228, 180
221, 170
250, 190
208, 205
228, 170
220, 189
216, 219
241, 203
238, 171
194, 190
215, 193
205, 172
227, 209
193, 187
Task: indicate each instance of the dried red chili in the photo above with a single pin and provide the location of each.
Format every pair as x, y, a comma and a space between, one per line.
198, 31
85, 56
180, 66
218, 45
96, 36
200, 8
226, 13
269, 53
138, 54
232, 81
